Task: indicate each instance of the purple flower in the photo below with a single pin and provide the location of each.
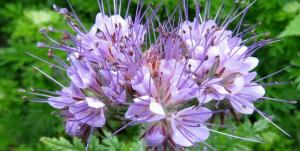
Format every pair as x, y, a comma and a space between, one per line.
163, 88
184, 128
145, 109
81, 109
167, 83
83, 75
155, 135
66, 97
221, 65
89, 111
166, 77
187, 125
113, 86
114, 40
73, 127
242, 101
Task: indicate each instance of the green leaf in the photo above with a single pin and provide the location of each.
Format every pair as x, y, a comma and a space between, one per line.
78, 144
260, 125
292, 29
108, 143
61, 144
292, 7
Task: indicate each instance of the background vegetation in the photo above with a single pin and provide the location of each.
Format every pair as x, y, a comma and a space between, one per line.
26, 126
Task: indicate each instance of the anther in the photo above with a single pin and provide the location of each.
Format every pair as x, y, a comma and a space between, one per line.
43, 30
50, 53
51, 29
40, 44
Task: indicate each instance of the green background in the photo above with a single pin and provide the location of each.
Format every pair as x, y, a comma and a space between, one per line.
26, 126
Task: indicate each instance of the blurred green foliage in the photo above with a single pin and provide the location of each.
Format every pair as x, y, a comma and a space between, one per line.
107, 144
26, 126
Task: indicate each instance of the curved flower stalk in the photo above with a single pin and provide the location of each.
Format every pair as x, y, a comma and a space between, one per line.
172, 78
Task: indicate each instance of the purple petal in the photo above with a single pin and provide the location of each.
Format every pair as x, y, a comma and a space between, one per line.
143, 82
187, 126
85, 114
60, 102
194, 114
155, 136
73, 127
145, 110
242, 106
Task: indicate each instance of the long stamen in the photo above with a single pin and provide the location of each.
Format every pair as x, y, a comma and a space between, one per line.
127, 9
108, 5
218, 14
48, 76
44, 91
115, 7
209, 146
280, 100
277, 72
120, 129
237, 137
89, 139
76, 17
274, 84
33, 93
259, 112
45, 61
100, 5
246, 9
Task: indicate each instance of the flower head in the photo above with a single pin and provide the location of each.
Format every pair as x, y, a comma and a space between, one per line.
163, 88
166, 78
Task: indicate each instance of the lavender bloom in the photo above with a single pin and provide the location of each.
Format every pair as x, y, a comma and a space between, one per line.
156, 134
221, 65
114, 40
162, 89
81, 109
188, 127
73, 127
183, 128
89, 111
113, 86
66, 97
83, 75
145, 109
242, 101
167, 77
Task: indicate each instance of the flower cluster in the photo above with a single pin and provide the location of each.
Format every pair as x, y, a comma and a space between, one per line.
172, 83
